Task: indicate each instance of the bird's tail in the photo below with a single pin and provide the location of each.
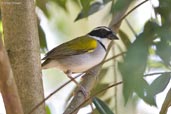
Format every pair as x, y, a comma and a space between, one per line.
45, 64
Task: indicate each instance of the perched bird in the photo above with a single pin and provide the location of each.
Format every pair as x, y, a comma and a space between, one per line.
80, 54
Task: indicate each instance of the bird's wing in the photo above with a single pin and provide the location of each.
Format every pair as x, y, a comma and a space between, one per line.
76, 46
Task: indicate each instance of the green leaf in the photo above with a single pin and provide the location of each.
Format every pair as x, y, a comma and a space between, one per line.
101, 106
163, 49
85, 12
42, 5
135, 62
164, 10
106, 1
77, 2
156, 64
85, 3
99, 87
159, 84
42, 38
142, 91
89, 8
133, 67
124, 38
120, 4
103, 72
61, 3
47, 110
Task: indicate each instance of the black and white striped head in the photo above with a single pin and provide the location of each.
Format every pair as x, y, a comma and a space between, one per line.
103, 32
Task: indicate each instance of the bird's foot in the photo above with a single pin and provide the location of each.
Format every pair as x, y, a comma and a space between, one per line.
83, 91
80, 87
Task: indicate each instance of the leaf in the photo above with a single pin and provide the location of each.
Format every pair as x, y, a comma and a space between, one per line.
167, 103
163, 49
120, 4
142, 91
156, 64
61, 3
42, 38
47, 110
164, 10
124, 38
101, 106
135, 62
77, 2
159, 84
103, 72
134, 65
99, 87
85, 3
106, 1
42, 5
85, 12
89, 9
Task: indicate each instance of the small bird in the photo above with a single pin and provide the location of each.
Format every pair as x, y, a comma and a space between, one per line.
80, 54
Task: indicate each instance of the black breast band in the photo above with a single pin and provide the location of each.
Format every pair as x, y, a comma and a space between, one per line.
102, 45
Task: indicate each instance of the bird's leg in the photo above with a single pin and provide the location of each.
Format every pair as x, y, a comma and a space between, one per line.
83, 90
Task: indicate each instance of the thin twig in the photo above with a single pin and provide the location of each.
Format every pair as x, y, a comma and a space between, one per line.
97, 93
106, 88
156, 73
53, 93
132, 10
131, 28
115, 81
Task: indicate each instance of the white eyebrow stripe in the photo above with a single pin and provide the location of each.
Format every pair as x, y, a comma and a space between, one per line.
107, 29
95, 37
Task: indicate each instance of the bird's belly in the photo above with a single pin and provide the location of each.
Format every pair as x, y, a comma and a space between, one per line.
79, 63
82, 62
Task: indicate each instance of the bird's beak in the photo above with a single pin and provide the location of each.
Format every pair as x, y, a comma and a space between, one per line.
113, 36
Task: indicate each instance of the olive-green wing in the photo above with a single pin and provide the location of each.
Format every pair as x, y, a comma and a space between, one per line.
76, 46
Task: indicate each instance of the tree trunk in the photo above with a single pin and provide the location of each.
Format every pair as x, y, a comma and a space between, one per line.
8, 86
22, 43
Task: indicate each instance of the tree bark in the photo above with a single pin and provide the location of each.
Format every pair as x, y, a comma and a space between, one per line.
88, 82
8, 86
22, 43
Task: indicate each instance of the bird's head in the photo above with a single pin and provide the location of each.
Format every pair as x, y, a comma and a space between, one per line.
103, 32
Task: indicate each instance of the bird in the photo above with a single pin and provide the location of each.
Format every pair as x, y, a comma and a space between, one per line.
80, 54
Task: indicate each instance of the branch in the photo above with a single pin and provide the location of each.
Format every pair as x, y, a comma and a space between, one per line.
50, 95
156, 73
167, 103
7, 85
88, 82
99, 92
115, 23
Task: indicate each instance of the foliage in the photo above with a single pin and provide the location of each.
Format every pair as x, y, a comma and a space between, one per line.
101, 106
137, 56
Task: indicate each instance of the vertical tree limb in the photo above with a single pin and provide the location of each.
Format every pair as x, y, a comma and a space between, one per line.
8, 86
22, 42
88, 82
